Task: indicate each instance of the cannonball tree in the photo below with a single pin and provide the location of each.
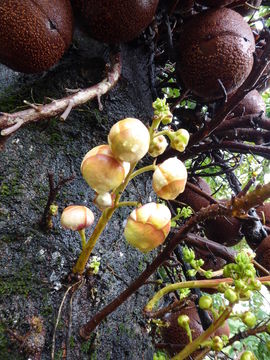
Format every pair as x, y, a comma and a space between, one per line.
180, 113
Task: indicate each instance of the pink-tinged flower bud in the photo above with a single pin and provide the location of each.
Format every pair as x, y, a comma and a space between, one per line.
102, 171
104, 201
169, 179
148, 226
158, 146
77, 217
129, 140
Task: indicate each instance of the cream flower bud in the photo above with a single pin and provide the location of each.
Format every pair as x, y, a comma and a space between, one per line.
158, 146
169, 179
104, 201
179, 139
102, 171
148, 226
77, 217
129, 140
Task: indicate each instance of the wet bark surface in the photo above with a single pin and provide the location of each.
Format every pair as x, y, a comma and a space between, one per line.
34, 263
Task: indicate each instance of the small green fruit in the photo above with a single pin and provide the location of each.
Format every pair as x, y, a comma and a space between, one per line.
248, 355
231, 296
183, 321
217, 344
205, 302
249, 319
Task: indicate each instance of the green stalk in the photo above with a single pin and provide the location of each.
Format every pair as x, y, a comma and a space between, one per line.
102, 222
155, 124
86, 252
187, 284
163, 132
191, 347
82, 235
143, 170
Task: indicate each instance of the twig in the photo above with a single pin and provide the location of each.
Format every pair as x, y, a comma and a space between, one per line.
249, 332
70, 316
9, 123
46, 220
232, 146
59, 316
250, 121
201, 193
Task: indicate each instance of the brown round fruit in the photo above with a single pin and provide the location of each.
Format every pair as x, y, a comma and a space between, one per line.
194, 200
224, 230
252, 103
263, 212
175, 336
34, 34
263, 253
114, 21
214, 3
215, 46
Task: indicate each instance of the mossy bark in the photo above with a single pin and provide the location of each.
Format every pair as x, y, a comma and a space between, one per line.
34, 264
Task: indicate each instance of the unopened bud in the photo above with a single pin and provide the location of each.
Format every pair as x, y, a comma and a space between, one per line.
183, 321
104, 201
249, 319
158, 146
179, 139
248, 355
102, 171
162, 111
148, 226
169, 179
77, 217
217, 344
231, 296
129, 140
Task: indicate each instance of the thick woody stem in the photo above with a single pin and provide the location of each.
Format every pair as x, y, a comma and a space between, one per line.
9, 123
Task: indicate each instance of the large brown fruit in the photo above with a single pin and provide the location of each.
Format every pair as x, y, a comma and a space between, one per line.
252, 103
263, 253
175, 336
224, 230
215, 46
263, 212
34, 34
114, 21
194, 200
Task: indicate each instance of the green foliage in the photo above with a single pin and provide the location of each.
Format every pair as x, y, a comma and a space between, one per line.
160, 356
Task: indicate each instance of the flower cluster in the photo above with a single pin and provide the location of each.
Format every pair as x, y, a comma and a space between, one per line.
108, 168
